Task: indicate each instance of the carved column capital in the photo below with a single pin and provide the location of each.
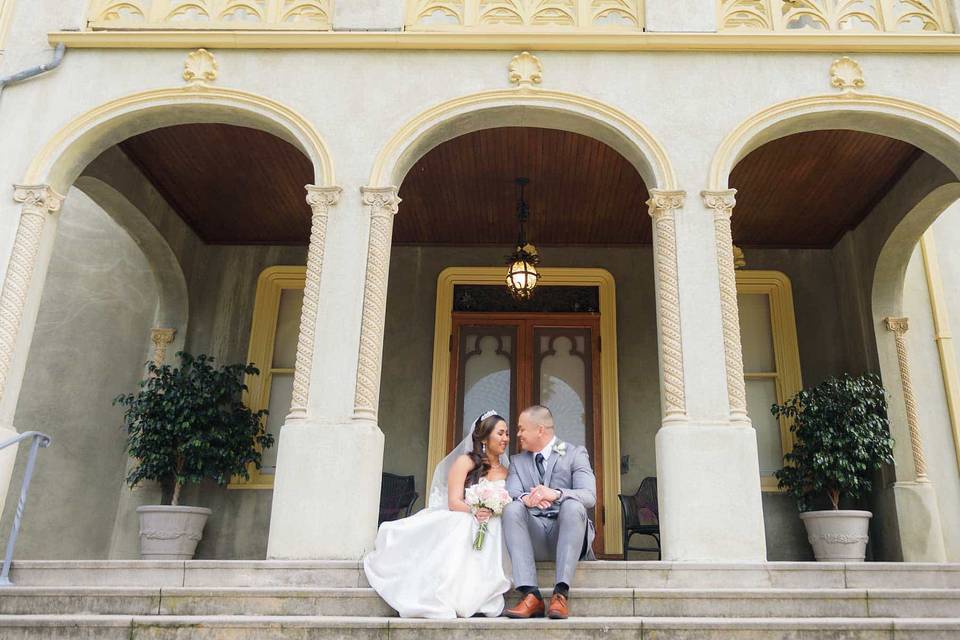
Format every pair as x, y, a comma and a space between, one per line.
383, 201
37, 198
160, 338
665, 202
721, 202
322, 198
897, 325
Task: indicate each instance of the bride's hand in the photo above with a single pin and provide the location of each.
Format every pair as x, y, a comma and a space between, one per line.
483, 515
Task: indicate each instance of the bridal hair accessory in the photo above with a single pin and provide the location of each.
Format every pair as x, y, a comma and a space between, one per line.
486, 414
560, 448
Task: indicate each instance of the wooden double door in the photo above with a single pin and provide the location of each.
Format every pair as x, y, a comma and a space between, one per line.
508, 361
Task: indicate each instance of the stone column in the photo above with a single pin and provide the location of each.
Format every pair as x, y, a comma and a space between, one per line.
327, 487
662, 207
899, 328
918, 509
320, 200
383, 205
708, 475
38, 203
722, 203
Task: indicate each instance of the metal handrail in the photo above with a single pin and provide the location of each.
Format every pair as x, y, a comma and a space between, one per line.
39, 440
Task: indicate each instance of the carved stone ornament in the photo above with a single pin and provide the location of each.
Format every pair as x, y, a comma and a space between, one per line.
200, 67
846, 74
160, 338
526, 70
739, 260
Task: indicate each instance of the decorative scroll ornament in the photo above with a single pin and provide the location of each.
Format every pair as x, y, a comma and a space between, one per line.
200, 68
846, 74
383, 204
320, 200
662, 206
526, 70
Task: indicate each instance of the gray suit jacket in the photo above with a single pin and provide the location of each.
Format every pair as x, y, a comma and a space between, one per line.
571, 474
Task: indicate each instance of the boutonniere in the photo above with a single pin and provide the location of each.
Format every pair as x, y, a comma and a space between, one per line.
560, 449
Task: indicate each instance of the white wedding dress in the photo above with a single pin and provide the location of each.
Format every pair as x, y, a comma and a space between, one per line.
425, 566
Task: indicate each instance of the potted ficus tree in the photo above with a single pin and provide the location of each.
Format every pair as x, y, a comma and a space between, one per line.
185, 424
842, 436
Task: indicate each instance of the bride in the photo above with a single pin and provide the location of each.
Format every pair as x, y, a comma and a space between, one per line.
425, 566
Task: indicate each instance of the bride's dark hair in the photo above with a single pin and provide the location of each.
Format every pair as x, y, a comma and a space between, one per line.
482, 429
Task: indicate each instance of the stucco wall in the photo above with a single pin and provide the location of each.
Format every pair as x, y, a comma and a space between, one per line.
91, 341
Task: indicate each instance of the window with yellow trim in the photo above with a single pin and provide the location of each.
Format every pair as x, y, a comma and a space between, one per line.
273, 349
771, 362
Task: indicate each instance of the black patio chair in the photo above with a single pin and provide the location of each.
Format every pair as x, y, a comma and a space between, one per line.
641, 516
396, 497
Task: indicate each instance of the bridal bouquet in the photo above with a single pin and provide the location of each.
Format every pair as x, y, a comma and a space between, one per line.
486, 495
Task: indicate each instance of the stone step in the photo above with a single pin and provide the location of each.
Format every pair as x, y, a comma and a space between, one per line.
601, 574
361, 602
584, 628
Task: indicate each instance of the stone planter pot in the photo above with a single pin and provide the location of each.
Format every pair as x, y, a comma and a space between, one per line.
170, 533
838, 536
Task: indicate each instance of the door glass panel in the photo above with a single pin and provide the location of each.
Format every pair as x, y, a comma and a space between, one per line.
288, 329
562, 377
760, 395
755, 333
487, 356
281, 395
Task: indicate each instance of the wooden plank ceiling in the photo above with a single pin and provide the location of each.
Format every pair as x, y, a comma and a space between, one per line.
232, 185
235, 185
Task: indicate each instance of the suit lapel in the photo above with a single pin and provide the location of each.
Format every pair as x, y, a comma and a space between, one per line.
551, 463
529, 470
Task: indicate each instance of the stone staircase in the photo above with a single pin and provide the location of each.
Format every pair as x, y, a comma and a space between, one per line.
331, 600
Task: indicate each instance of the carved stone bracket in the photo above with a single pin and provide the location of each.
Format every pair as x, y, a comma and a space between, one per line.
722, 203
662, 207
160, 338
383, 204
320, 200
38, 201
899, 327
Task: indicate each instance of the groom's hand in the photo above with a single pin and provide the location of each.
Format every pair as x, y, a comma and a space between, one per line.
544, 496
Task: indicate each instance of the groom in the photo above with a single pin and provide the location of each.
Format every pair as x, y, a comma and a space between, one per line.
552, 486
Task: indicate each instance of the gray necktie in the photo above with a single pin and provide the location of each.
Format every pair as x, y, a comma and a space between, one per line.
539, 460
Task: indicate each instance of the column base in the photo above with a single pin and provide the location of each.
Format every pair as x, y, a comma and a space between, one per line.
326, 492
918, 515
708, 480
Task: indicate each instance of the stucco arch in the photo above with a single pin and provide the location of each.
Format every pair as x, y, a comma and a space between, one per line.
516, 108
928, 129
65, 155
173, 299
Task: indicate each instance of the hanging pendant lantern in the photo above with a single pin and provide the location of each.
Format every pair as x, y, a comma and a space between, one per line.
522, 274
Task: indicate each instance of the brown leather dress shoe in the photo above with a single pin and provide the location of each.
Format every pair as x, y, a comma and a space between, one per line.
530, 607
558, 607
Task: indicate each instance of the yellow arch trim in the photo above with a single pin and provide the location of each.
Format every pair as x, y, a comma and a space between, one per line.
406, 137
283, 116
729, 151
